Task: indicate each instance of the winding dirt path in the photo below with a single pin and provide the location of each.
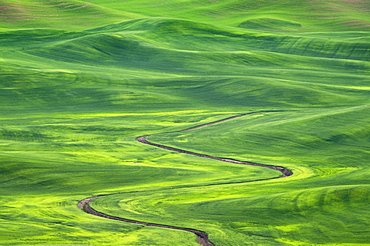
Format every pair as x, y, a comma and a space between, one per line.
202, 237
85, 206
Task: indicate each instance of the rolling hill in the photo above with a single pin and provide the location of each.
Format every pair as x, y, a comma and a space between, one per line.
81, 80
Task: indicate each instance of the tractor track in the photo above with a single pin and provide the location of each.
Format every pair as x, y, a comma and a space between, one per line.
202, 237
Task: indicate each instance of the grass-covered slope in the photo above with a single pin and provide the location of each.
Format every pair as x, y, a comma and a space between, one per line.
72, 14
80, 80
266, 15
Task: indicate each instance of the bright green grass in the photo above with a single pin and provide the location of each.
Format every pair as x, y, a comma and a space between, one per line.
91, 76
338, 137
320, 210
302, 16
297, 216
76, 156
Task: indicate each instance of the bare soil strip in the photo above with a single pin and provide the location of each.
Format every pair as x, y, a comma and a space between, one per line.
85, 206
284, 171
202, 236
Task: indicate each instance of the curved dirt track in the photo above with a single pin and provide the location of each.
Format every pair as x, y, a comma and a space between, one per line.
202, 236
85, 206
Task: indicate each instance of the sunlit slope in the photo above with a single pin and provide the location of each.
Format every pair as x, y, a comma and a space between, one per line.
269, 214
53, 157
72, 14
320, 210
154, 36
327, 138
238, 68
321, 207
267, 15
281, 16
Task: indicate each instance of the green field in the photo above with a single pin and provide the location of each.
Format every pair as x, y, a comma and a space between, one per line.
81, 80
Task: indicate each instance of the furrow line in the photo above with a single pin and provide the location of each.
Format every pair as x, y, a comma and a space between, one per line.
202, 237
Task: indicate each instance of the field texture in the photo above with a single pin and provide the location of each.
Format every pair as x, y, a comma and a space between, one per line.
80, 81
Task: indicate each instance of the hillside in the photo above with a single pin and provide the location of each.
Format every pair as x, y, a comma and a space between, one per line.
82, 80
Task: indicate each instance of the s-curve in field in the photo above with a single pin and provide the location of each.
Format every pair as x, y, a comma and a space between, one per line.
202, 236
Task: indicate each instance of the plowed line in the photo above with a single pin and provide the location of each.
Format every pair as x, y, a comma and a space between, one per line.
202, 236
